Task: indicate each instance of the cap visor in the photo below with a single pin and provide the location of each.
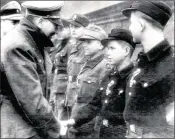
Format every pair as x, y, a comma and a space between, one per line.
75, 23
105, 41
127, 12
87, 38
12, 17
56, 21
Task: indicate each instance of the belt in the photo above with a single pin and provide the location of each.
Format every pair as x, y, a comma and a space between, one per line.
72, 78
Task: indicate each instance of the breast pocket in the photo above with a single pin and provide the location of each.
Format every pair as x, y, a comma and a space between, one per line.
88, 88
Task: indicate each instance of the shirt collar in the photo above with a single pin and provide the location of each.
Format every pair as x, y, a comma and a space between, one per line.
126, 71
157, 50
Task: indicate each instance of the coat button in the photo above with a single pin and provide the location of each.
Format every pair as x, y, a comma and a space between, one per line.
145, 84
89, 81
40, 60
101, 88
108, 92
121, 91
106, 101
130, 93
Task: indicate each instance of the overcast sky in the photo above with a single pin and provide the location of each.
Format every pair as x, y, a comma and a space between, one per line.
80, 7
83, 7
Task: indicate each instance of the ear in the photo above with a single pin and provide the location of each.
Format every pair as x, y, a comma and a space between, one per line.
142, 24
101, 46
127, 51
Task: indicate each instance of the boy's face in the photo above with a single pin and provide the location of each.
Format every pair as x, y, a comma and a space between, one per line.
115, 52
76, 31
135, 28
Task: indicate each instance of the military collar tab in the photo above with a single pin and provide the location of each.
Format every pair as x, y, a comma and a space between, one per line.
124, 72
157, 50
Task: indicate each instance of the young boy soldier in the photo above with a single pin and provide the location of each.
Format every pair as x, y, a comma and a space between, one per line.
109, 100
76, 57
10, 16
150, 87
25, 110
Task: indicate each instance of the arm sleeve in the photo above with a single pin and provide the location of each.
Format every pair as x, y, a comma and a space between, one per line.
22, 75
84, 113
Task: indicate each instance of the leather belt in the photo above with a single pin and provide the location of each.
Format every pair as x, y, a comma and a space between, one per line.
72, 78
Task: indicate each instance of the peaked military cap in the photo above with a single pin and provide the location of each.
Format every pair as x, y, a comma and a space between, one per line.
159, 11
119, 34
46, 9
11, 11
94, 32
65, 22
79, 20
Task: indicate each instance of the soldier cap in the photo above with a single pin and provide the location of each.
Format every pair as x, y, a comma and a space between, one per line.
158, 11
11, 11
47, 9
79, 20
94, 32
119, 34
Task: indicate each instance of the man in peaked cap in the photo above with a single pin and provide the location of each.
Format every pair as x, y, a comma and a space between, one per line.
76, 57
10, 16
25, 110
150, 87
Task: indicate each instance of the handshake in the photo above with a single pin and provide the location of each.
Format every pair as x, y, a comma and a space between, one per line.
65, 125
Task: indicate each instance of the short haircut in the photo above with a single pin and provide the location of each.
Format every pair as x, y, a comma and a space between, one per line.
126, 44
148, 19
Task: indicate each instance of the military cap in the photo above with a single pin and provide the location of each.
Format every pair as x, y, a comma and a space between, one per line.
65, 22
79, 20
158, 11
119, 34
47, 9
94, 32
11, 11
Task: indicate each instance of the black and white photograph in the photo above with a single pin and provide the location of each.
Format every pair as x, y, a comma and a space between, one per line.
87, 69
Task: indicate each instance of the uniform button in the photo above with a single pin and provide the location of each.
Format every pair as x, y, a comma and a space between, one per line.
101, 88
130, 93
120, 92
106, 101
40, 60
145, 84
108, 92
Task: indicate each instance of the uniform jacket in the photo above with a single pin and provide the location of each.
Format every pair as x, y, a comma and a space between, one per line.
76, 60
108, 102
25, 110
60, 71
89, 80
151, 88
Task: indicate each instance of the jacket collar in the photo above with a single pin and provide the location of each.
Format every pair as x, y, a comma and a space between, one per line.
126, 71
93, 61
158, 50
76, 47
38, 37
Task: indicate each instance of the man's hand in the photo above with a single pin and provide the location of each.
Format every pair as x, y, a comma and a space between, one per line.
65, 125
